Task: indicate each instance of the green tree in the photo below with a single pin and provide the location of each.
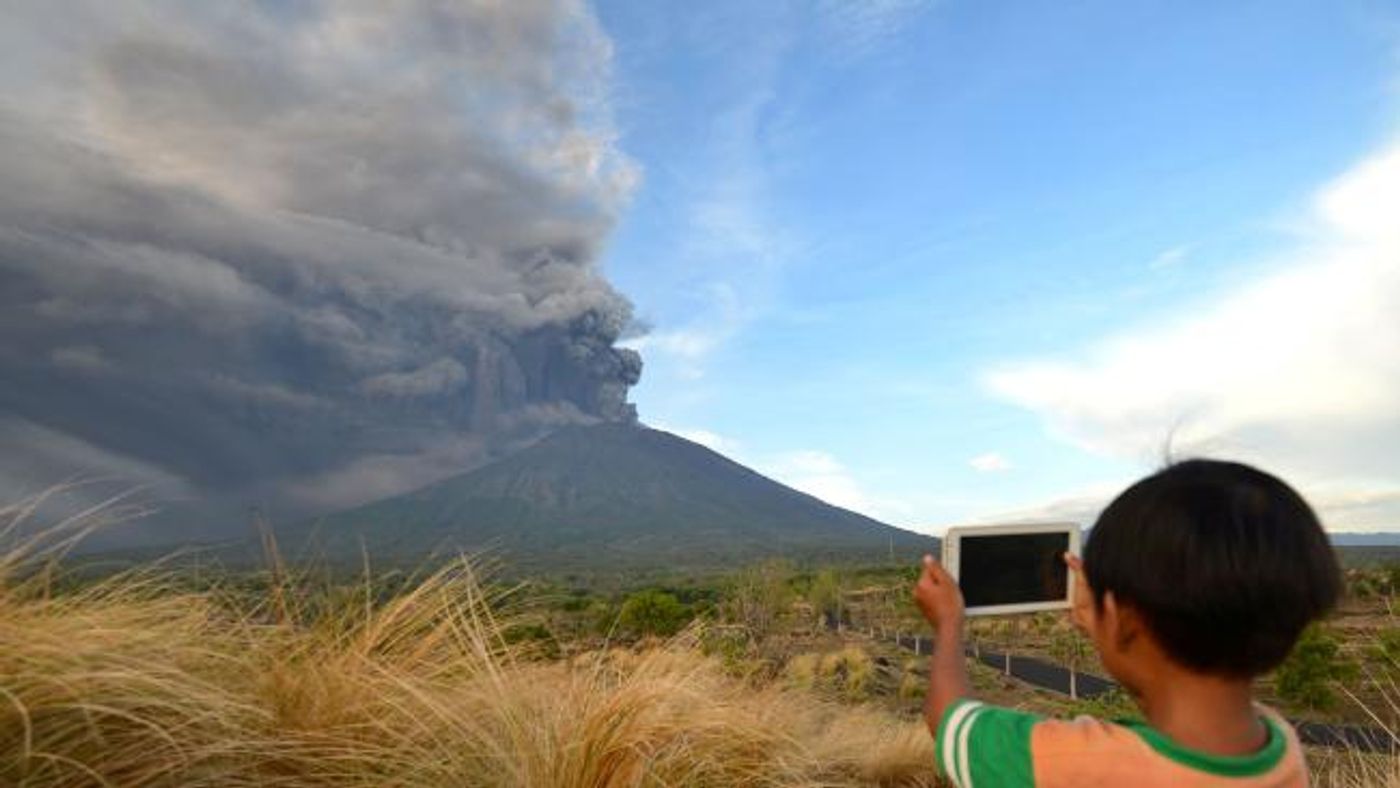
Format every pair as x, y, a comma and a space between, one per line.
759, 595
652, 612
828, 597
1315, 664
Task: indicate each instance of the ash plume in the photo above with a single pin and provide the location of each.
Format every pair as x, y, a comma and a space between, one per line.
313, 252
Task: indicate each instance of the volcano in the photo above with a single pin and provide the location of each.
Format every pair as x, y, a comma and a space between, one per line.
609, 496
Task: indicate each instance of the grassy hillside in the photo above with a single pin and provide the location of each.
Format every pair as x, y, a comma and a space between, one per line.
611, 496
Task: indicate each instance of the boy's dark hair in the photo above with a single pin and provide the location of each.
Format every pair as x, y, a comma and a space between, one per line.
1225, 563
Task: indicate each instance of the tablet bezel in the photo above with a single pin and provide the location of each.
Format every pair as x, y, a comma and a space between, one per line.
952, 552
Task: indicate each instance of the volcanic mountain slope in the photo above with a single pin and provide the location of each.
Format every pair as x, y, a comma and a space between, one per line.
609, 496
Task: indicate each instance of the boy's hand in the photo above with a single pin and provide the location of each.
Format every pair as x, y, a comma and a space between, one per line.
938, 596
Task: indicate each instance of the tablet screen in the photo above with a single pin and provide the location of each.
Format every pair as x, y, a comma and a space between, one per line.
1010, 569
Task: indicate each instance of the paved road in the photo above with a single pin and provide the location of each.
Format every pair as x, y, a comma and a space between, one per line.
1047, 675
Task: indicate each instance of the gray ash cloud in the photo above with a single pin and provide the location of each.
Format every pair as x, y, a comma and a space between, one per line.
312, 251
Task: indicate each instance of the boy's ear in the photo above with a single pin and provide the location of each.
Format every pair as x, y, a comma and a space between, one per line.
1121, 622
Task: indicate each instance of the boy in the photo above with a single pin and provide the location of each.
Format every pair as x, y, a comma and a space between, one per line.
1194, 581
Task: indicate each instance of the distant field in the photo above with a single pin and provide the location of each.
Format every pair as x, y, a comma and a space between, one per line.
1368, 556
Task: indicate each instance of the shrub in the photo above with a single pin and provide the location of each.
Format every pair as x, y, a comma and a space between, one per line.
826, 596
601, 616
1386, 648
759, 595
1305, 679
732, 646
575, 602
532, 639
652, 612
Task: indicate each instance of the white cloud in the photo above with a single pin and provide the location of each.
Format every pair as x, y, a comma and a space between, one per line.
1298, 370
858, 27
686, 343
1081, 505
1169, 258
1342, 507
820, 475
710, 440
734, 247
991, 462
689, 347
817, 473
1356, 507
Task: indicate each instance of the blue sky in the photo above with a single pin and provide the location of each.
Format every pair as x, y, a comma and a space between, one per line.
957, 261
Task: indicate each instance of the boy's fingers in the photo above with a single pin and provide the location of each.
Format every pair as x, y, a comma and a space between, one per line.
1073, 562
932, 569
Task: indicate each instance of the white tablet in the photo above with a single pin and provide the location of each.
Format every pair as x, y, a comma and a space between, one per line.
1016, 568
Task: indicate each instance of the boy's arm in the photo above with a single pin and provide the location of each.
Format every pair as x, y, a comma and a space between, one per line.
941, 602
947, 676
978, 745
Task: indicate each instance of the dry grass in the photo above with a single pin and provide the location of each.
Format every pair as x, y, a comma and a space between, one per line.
135, 681
132, 681
848, 671
1347, 769
801, 671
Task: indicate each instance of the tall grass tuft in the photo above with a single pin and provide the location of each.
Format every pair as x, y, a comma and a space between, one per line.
137, 680
848, 671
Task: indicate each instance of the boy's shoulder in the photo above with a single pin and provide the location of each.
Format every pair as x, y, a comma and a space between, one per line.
980, 744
